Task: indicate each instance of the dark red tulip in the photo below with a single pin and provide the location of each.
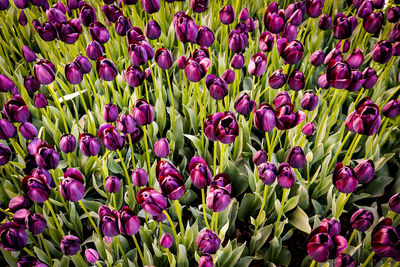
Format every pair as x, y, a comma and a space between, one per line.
362, 220
292, 52
16, 110
339, 74
385, 239
343, 26
296, 80
325, 22
344, 178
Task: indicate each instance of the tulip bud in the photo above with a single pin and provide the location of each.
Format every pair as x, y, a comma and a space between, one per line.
89, 145
228, 76
161, 148
73, 73
244, 105
94, 50
237, 61
35, 223
83, 63
71, 187
393, 14
166, 240
99, 32
139, 177
110, 137
44, 71
373, 23
22, 19
13, 236
164, 58
308, 129
110, 112
36, 188
394, 203
128, 222
309, 101
18, 203
238, 41
365, 9
70, 245
343, 26
382, 52
266, 41
317, 58
7, 129
314, 8
227, 15
5, 154
286, 176
153, 30
206, 261
339, 74
296, 80
267, 171
142, 112
257, 64
277, 79
186, 29
207, 241
111, 12
6, 84
67, 143
150, 6
217, 87
391, 109
28, 130
122, 25
87, 14
20, 215
91, 255
106, 69
171, 183
362, 220
31, 84
200, 174
365, 171
370, 77
151, 201
113, 184
344, 178
264, 118
28, 54
260, 157
325, 22
296, 157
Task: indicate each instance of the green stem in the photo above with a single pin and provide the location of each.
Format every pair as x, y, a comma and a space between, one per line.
179, 215
120, 248
312, 263
353, 234
30, 253
172, 226
203, 200
172, 102
138, 249
215, 158
147, 148
284, 196
339, 150
262, 207
45, 247
132, 152
55, 218
368, 259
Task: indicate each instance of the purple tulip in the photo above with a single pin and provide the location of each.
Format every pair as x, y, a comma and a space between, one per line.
6, 84
28, 130
46, 31
264, 118
296, 157
228, 76
113, 184
274, 21
365, 119
257, 64
199, 6
373, 23
238, 41
70, 245
44, 71
87, 14
22, 19
185, 28
266, 41
108, 223
73, 73
13, 236
150, 6
393, 14
5, 154
217, 87
31, 84
237, 61
292, 52
111, 12
99, 32
181, 62
286, 176
394, 203
171, 183
206, 261
28, 54
19, 202
126, 124
391, 109
110, 112
260, 157
344, 178
205, 37
71, 187
317, 58
365, 171
69, 31
135, 34
314, 8
164, 58
140, 177
226, 128
277, 79
287, 118
35, 223
134, 76
370, 77
110, 137
166, 240
385, 239
335, 55
161, 148
267, 171
362, 220
36, 188
7, 129
142, 112
339, 74
355, 59
308, 129
200, 174
309, 101
16, 110
20, 215
29, 261
94, 50
128, 222
21, 4
46, 157
151, 201
227, 15
218, 198
325, 22
106, 69
344, 260
89, 145
343, 26
244, 105
207, 241
91, 255
365, 9
152, 30
55, 16
382, 52
296, 80
319, 247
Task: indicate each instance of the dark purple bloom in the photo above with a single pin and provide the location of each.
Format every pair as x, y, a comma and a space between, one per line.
112, 12
343, 26
28, 54
22, 19
391, 109
199, 6
126, 124
161, 148
19, 202
205, 37
110, 137
314, 8
317, 58
362, 220
393, 14
339, 74
365, 9
370, 77
195, 71
150, 6
237, 61
83, 63
73, 73
260, 157
365, 171
91, 255
385, 239
325, 22
208, 242
166, 240
200, 174
382, 52
55, 16
257, 64
140, 177
71, 187
21, 4
264, 118
309, 101
44, 71
238, 41
244, 105
31, 84
46, 157
110, 112
206, 261
266, 41
143, 112
292, 52
35, 223
287, 118
29, 261
244, 14
355, 59
394, 203
151, 201
69, 31
5, 154
89, 145
108, 223
94, 50
99, 32
171, 183
7, 129
335, 55
217, 87
277, 79
296, 157
365, 119
46, 31
228, 76
344, 178
286, 176
113, 184
373, 23
16, 110
274, 21
13, 236
218, 198
227, 15
134, 76
320, 246
308, 129
28, 130
122, 25
128, 222
186, 28
20, 215
36, 188
70, 245
6, 84
106, 69
164, 58
267, 171
87, 14
344, 260
152, 30
296, 80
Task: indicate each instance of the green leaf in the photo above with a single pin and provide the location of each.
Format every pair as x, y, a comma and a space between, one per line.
299, 219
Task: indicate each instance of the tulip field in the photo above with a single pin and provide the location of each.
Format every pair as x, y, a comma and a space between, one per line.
227, 133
